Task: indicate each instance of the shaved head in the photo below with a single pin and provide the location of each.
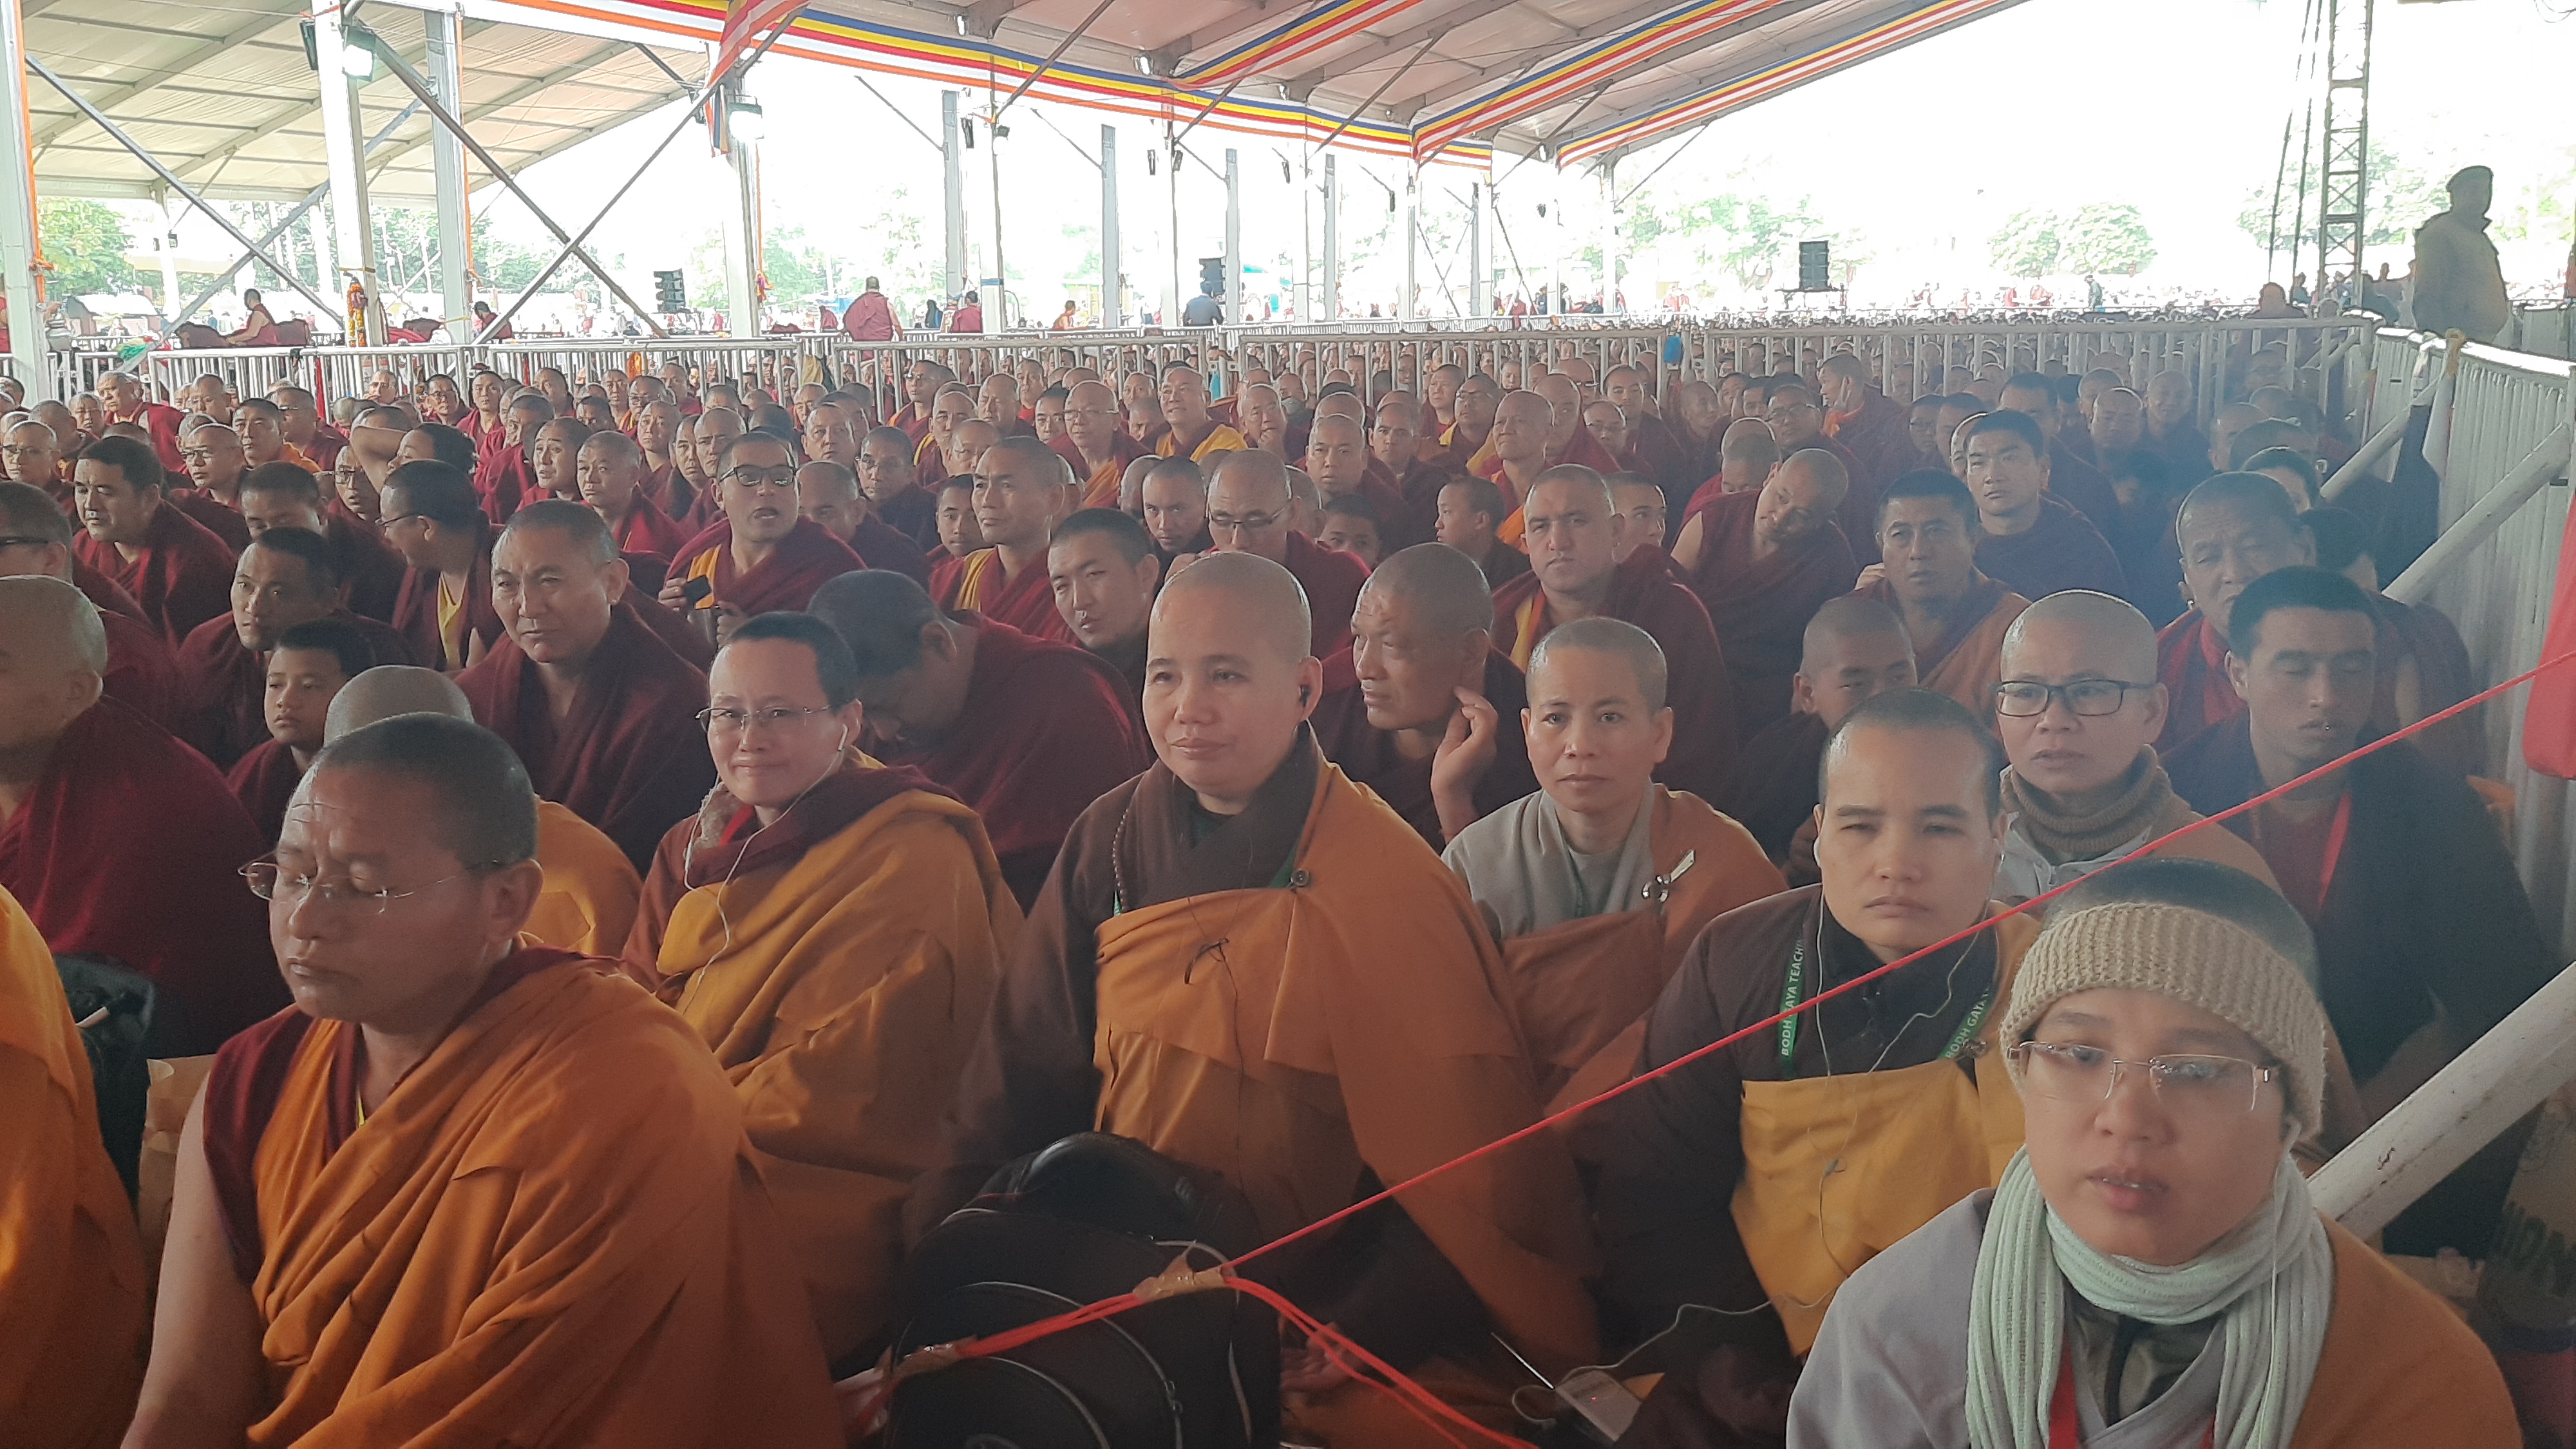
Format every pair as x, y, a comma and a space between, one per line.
1857, 616
1272, 603
1446, 588
1611, 639
389, 690
46, 624
2110, 634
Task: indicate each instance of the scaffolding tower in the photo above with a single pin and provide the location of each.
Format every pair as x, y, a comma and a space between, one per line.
2344, 192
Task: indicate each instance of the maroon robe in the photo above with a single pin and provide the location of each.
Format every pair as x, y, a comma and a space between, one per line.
182, 575
219, 518
1026, 603
129, 847
2061, 551
371, 570
1760, 607
142, 673
672, 493
1046, 729
505, 478
1332, 580
223, 685
1396, 526
629, 757
1663, 455
1419, 487
647, 529
416, 611
1644, 592
1876, 437
2191, 663
805, 560
107, 593
1368, 755
886, 547
162, 421
264, 781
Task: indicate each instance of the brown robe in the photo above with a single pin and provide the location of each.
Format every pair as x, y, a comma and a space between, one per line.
1967, 661
1760, 607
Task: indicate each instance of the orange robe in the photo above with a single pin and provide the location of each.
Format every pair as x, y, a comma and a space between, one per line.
838, 964
1968, 661
71, 1267
588, 905
1220, 439
551, 1232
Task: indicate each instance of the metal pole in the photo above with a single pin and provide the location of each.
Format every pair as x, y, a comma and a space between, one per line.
1113, 291
1233, 238
167, 244
1480, 283
953, 190
564, 254
1332, 307
18, 216
741, 222
351, 220
1172, 228
447, 155
1610, 235
310, 206
1405, 307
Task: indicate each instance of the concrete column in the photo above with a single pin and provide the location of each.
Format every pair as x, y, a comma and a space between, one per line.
1331, 307
345, 150
741, 223
1113, 286
167, 244
953, 188
1233, 238
27, 353
447, 156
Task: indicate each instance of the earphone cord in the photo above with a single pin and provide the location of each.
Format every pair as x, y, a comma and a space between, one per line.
722, 919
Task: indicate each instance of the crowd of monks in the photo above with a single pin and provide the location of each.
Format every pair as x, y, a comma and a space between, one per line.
641, 853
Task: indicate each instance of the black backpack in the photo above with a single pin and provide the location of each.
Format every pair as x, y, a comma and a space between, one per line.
122, 1026
1088, 1218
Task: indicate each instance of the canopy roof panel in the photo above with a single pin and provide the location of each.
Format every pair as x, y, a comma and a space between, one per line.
226, 98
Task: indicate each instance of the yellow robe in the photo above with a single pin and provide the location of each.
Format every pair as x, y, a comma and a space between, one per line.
589, 900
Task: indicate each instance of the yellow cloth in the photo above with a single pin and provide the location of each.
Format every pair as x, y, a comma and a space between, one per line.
451, 623
1837, 1169
71, 1266
841, 992
1220, 439
589, 900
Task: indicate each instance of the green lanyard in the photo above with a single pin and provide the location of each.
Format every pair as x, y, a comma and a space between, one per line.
1793, 990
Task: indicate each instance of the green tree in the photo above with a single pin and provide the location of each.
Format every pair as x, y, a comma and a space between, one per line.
2028, 245
2106, 237
86, 242
2402, 195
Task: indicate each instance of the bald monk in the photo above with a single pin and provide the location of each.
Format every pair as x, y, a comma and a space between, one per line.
281, 495
1094, 446
31, 453
1248, 505
309, 666
119, 840
2032, 540
600, 710
434, 521
504, 471
2077, 708
1598, 882
1020, 488
922, 380
710, 433
1641, 509
1396, 457
1766, 561
450, 1133
1192, 432
1422, 708
1104, 571
828, 494
587, 904
762, 556
893, 485
1337, 459
832, 929
1468, 438
1470, 510
285, 578
2231, 533
1026, 731
936, 454
1954, 615
1171, 496
71, 1269
1854, 650
216, 463
1516, 453
1868, 424
142, 673
178, 571
1754, 1182
1568, 440
1575, 530
609, 475
1244, 834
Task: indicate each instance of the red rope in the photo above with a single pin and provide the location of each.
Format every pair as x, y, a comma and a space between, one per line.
1418, 1399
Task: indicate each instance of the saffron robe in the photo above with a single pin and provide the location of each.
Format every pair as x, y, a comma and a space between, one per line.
128, 847
1219, 438
1644, 592
182, 575
264, 782
588, 904
1045, 730
550, 1232
838, 963
416, 612
1760, 606
1585, 958
1026, 603
1368, 755
1332, 580
629, 757
2398, 1366
223, 685
805, 560
1967, 661
1298, 1068
1100, 485
71, 1266
2063, 550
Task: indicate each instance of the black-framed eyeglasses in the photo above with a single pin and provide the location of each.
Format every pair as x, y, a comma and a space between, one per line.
1249, 523
386, 525
2090, 698
758, 479
22, 540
